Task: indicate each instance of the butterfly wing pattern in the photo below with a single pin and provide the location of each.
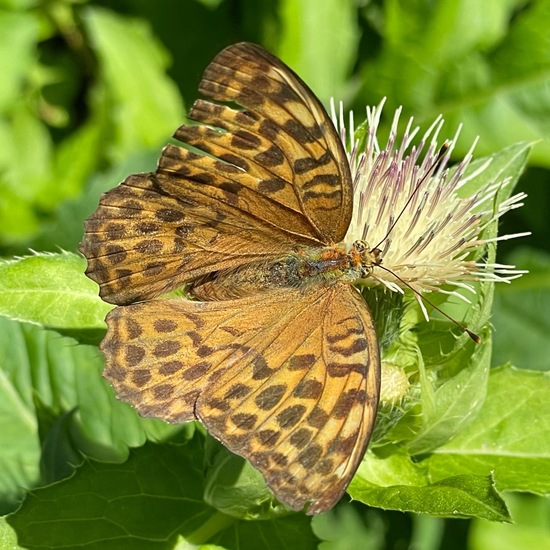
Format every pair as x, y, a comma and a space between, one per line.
288, 376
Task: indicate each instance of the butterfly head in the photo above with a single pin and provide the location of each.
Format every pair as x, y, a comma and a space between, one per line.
365, 258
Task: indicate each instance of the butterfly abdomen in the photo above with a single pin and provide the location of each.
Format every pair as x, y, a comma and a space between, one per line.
302, 268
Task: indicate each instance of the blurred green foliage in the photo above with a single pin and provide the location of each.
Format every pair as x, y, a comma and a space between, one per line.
90, 92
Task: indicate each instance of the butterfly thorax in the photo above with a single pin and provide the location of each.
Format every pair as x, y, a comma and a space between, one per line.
305, 267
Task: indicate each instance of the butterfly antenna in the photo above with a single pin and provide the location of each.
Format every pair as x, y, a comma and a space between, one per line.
471, 334
439, 157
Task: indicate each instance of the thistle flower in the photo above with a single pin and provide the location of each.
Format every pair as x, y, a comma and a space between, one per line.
439, 233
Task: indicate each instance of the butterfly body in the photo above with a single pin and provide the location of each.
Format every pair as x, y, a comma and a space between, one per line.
300, 269
276, 354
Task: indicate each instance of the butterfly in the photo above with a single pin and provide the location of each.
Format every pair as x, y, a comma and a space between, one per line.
275, 350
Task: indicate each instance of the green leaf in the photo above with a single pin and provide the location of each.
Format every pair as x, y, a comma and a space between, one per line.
8, 537
30, 152
66, 226
27, 158
234, 487
146, 104
18, 35
18, 221
396, 483
506, 165
59, 452
51, 290
76, 158
342, 527
18, 425
422, 39
450, 407
41, 371
210, 3
146, 503
509, 437
521, 314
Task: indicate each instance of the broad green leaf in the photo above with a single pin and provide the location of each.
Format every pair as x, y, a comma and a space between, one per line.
42, 373
319, 41
453, 405
52, 290
146, 104
19, 444
510, 436
147, 502
396, 483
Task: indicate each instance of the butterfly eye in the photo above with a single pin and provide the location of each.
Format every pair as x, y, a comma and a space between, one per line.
366, 271
376, 256
361, 246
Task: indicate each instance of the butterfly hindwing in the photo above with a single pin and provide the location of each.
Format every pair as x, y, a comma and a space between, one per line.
294, 395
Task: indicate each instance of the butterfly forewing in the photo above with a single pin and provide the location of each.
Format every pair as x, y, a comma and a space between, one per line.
291, 118
142, 242
295, 396
280, 180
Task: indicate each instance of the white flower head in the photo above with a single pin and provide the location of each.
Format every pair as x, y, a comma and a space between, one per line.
407, 204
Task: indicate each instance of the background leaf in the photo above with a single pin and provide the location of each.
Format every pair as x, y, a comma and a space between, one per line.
532, 528
132, 59
521, 316
122, 506
308, 44
483, 64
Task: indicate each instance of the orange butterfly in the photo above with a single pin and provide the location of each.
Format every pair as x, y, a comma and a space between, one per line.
276, 354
